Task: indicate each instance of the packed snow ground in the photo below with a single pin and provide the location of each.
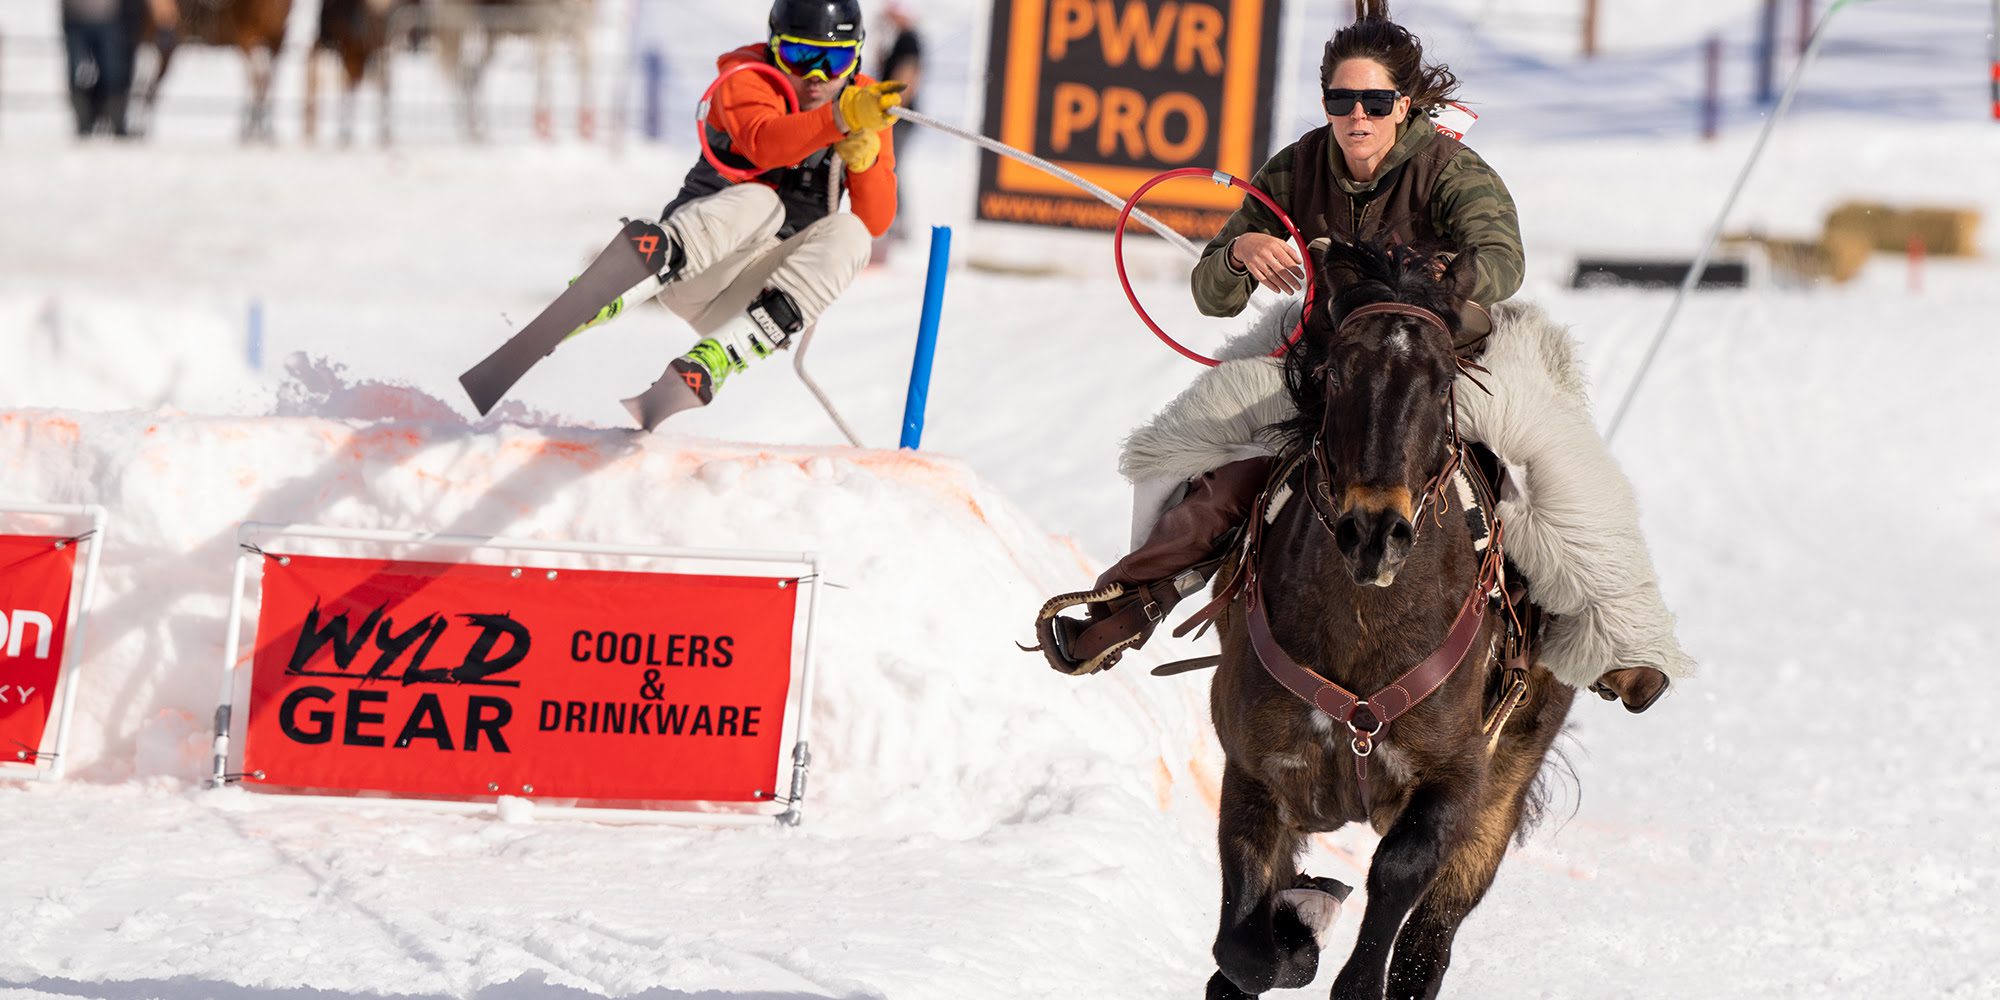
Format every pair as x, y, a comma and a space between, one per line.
1812, 817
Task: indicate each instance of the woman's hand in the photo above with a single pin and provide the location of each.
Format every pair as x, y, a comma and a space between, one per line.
1270, 260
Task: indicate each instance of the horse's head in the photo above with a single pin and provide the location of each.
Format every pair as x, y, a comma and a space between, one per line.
1372, 381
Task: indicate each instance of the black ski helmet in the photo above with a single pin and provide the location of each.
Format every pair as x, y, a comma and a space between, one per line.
818, 20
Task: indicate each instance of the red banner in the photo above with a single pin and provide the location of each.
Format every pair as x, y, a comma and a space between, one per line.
35, 580
457, 680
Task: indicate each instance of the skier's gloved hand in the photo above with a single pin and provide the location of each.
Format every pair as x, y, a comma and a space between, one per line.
859, 150
867, 108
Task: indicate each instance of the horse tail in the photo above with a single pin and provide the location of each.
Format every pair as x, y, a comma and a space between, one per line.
1557, 770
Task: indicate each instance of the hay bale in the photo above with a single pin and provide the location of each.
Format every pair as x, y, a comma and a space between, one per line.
1847, 251
1946, 232
1943, 231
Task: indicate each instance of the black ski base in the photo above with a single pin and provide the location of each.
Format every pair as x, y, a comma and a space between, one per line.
639, 250
681, 387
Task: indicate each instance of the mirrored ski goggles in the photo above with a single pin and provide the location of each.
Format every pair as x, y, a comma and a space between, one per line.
805, 58
1377, 103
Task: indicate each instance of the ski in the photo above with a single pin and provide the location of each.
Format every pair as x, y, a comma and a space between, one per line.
679, 388
638, 253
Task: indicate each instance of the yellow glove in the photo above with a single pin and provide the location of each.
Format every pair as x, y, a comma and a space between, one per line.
868, 107
859, 149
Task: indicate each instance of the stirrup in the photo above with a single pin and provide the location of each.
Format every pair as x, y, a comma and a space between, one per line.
1627, 685
1057, 636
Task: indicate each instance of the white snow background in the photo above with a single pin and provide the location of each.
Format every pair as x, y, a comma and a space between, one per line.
1811, 817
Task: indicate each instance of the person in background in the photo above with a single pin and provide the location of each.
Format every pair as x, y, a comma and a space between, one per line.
100, 52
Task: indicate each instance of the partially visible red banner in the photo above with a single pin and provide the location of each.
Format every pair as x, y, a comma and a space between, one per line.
35, 580
458, 680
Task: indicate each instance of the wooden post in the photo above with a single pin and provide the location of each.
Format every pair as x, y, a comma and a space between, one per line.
1711, 97
1806, 24
1590, 28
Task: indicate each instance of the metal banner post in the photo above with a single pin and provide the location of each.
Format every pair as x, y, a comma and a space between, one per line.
31, 760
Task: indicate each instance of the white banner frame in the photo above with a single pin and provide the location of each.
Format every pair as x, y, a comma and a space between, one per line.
798, 718
45, 763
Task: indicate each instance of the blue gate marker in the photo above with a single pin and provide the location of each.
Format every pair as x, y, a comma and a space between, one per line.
927, 328
254, 339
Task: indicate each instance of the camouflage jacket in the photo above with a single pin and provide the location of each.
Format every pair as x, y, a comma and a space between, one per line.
1469, 207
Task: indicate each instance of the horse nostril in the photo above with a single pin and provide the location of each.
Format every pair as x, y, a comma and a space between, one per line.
1347, 534
1400, 533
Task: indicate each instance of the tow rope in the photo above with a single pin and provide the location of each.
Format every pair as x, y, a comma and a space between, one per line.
1127, 207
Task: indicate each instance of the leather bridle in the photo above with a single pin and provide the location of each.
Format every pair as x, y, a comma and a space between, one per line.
1367, 719
1319, 475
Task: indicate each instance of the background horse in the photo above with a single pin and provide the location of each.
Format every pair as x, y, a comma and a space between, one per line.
357, 33
468, 30
255, 28
1360, 577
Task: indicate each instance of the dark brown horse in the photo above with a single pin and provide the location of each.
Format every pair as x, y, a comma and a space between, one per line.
254, 27
357, 33
1371, 568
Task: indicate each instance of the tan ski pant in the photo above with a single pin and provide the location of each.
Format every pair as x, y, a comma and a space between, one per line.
733, 253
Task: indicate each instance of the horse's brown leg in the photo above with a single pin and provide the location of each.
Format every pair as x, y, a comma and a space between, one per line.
380, 61
309, 120
353, 66
256, 108
1260, 945
151, 99
1423, 949
1408, 859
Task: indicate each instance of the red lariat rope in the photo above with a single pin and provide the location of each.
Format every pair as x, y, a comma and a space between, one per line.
1118, 254
735, 175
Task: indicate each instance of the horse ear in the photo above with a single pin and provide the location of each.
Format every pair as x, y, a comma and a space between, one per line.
1339, 262
1462, 274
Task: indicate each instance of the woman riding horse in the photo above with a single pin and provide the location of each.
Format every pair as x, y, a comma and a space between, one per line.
1378, 172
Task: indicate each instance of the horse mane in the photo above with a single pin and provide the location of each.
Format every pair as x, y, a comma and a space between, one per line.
1363, 274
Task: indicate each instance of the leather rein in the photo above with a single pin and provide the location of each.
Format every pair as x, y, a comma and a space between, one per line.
1368, 719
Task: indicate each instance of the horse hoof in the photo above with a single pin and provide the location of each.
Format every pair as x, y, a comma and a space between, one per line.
1220, 988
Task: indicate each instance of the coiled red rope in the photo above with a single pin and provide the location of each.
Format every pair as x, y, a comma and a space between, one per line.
1118, 255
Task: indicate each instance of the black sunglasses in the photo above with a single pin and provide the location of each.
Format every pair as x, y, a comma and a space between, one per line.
1377, 103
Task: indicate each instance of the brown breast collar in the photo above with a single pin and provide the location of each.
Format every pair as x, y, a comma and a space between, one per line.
1367, 719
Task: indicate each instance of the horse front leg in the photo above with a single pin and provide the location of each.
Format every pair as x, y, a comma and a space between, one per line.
1423, 948
309, 115
1406, 862
380, 62
1261, 945
261, 65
